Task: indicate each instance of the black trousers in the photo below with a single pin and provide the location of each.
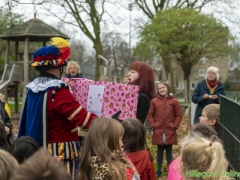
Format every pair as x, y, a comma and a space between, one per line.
160, 150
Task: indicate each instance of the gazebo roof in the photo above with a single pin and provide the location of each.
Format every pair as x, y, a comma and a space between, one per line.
35, 29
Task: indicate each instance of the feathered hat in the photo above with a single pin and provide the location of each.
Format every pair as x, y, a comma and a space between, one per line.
55, 55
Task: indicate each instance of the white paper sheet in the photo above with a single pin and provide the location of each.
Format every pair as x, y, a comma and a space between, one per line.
95, 99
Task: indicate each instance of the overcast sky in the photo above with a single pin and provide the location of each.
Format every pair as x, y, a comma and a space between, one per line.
122, 14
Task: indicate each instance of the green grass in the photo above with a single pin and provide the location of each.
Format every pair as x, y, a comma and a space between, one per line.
12, 107
153, 149
11, 103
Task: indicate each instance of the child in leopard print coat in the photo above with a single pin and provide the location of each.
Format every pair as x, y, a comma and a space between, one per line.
102, 158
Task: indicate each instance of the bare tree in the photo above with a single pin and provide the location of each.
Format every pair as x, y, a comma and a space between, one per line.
115, 50
234, 62
86, 16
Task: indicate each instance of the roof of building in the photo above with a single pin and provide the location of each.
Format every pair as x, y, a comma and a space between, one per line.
35, 29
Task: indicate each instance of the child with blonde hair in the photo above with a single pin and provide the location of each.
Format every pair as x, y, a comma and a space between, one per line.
197, 130
210, 115
101, 156
205, 156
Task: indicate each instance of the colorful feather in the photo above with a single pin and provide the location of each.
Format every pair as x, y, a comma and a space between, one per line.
55, 54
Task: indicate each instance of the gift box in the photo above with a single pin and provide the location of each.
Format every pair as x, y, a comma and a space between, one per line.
115, 97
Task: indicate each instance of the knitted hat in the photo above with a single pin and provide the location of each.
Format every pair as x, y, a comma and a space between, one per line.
55, 55
212, 111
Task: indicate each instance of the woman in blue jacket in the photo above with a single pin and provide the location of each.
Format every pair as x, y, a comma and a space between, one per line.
207, 91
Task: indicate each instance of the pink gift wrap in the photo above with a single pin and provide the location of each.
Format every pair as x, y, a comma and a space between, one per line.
116, 97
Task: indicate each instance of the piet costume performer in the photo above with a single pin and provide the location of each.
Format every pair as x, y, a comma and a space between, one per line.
51, 114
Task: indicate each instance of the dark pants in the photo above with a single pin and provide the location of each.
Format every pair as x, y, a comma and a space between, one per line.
160, 150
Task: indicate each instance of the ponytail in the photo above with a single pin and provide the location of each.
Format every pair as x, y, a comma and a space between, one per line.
204, 155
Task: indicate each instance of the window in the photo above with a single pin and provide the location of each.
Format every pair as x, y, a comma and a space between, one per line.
202, 60
201, 72
193, 85
177, 85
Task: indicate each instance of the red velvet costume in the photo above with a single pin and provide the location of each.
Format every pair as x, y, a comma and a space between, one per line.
64, 114
50, 114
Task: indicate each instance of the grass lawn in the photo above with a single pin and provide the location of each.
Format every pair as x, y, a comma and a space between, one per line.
12, 106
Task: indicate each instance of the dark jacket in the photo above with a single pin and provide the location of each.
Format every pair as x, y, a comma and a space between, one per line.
164, 116
4, 117
79, 75
197, 97
143, 106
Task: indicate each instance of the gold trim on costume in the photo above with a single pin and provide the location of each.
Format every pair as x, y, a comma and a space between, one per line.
86, 120
73, 169
75, 112
61, 150
74, 130
54, 150
45, 120
67, 150
68, 167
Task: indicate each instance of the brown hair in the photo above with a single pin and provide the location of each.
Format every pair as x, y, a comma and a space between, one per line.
23, 147
213, 112
134, 138
41, 166
3, 136
102, 140
8, 164
167, 86
104, 78
145, 80
202, 130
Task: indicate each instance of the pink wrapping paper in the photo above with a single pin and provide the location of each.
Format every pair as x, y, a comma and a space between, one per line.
116, 97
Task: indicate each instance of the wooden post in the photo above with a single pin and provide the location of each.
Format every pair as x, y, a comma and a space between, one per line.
7, 52
7, 62
16, 50
16, 98
26, 64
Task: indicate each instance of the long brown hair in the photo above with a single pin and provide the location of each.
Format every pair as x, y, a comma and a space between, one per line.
3, 136
134, 138
8, 164
145, 80
102, 140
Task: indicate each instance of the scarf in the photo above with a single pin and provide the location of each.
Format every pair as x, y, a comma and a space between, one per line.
212, 85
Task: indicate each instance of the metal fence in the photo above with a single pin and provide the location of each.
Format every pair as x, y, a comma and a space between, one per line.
229, 131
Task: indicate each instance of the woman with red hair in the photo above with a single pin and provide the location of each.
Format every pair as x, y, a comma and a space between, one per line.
141, 74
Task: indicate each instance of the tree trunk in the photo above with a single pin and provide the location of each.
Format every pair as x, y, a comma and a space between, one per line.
186, 90
99, 61
169, 72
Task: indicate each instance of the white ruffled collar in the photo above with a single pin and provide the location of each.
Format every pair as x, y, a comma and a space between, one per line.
38, 85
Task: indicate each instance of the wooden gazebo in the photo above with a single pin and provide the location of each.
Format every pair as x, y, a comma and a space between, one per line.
33, 30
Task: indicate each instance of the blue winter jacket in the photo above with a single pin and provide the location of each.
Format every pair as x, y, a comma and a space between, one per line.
197, 97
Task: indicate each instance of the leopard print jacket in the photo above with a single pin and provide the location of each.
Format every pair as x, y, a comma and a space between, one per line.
100, 170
